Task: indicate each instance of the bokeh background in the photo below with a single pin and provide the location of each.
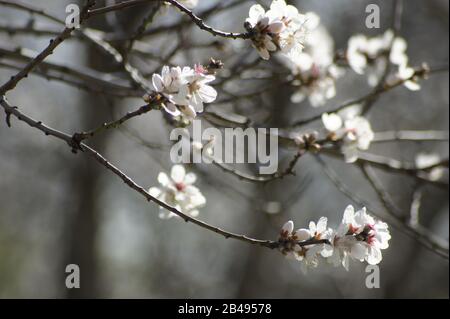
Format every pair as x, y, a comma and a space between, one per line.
57, 208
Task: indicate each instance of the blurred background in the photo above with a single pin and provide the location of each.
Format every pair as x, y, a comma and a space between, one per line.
57, 208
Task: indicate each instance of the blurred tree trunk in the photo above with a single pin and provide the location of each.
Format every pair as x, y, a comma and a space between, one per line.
83, 226
251, 280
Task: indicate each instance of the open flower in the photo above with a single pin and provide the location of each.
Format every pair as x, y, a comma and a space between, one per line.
289, 240
178, 191
191, 96
265, 28
371, 55
370, 236
309, 254
313, 81
320, 231
358, 237
313, 69
354, 132
185, 89
279, 29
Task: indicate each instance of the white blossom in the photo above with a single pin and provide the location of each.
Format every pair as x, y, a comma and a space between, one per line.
308, 255
313, 69
313, 81
361, 237
369, 55
185, 89
178, 191
264, 29
354, 132
281, 28
358, 237
406, 74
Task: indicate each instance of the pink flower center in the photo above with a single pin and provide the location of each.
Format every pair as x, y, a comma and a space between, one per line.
352, 131
199, 69
180, 186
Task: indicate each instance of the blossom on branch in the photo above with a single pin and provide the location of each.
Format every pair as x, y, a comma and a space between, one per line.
352, 131
282, 28
178, 191
371, 55
359, 237
314, 72
185, 89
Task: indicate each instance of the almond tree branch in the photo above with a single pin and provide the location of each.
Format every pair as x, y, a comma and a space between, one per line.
396, 25
381, 191
106, 126
263, 178
108, 82
70, 81
420, 72
392, 165
198, 21
80, 146
148, 19
421, 235
54, 43
219, 7
416, 136
416, 203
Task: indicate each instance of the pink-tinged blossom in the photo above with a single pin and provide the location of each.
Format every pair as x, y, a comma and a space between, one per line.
185, 89
354, 133
178, 190
359, 237
281, 28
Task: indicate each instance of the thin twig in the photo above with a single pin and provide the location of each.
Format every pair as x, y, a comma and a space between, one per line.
54, 43
421, 72
10, 110
198, 21
421, 235
416, 136
106, 126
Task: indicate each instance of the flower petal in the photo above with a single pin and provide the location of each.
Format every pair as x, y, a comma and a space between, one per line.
157, 83
359, 251
163, 179
190, 178
207, 93
178, 173
332, 122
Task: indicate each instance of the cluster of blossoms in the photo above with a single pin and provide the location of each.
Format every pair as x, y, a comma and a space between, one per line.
282, 28
313, 69
178, 191
371, 55
359, 237
354, 132
185, 89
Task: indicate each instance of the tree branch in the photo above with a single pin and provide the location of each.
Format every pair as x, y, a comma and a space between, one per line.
79, 146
